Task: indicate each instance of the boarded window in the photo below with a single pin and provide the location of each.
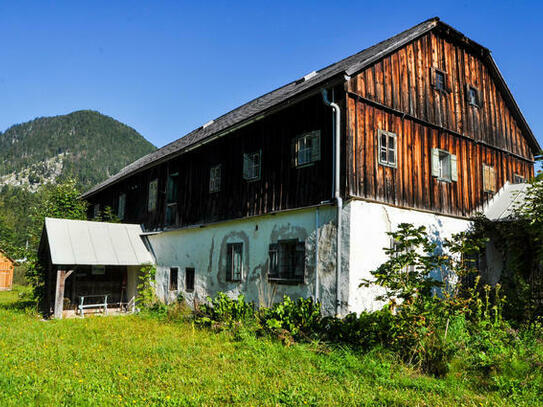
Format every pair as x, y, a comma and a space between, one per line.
174, 275
287, 261
387, 148
518, 179
189, 279
252, 165
121, 206
215, 179
151, 199
489, 178
307, 148
444, 165
234, 263
172, 191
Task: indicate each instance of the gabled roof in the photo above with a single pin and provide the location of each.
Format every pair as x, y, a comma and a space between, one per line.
81, 242
332, 74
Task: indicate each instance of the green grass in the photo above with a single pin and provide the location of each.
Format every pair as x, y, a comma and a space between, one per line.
142, 361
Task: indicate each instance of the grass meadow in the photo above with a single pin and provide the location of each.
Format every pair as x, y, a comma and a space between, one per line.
145, 361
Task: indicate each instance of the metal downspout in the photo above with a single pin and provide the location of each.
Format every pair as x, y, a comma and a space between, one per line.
337, 196
317, 254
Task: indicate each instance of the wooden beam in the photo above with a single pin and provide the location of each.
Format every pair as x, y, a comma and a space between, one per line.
62, 275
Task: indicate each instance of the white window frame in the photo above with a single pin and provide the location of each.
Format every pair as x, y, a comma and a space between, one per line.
444, 165
121, 207
307, 148
215, 178
387, 149
152, 195
252, 170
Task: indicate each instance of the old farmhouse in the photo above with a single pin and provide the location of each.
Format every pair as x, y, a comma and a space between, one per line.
293, 192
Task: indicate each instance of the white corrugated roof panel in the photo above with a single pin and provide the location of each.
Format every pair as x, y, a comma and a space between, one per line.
79, 242
504, 203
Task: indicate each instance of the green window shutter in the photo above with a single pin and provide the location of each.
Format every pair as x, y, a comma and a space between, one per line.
435, 162
454, 172
316, 146
245, 166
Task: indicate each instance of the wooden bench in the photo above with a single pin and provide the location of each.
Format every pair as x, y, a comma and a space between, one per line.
82, 306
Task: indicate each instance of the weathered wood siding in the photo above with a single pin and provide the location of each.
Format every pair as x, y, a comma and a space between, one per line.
411, 184
6, 272
281, 186
396, 94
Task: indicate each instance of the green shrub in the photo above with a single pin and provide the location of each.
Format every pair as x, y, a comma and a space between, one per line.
146, 297
300, 318
223, 310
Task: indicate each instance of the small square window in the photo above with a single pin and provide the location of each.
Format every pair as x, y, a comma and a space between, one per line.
251, 166
444, 166
518, 179
387, 148
234, 266
215, 179
440, 81
174, 275
189, 279
489, 179
473, 96
307, 148
287, 262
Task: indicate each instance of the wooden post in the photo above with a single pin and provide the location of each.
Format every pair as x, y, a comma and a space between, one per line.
62, 275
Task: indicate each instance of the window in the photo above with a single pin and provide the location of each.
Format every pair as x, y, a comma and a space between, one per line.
518, 179
444, 165
98, 270
121, 206
215, 179
171, 199
251, 166
174, 271
397, 251
96, 211
189, 279
439, 80
489, 179
307, 148
474, 97
234, 265
151, 199
387, 148
287, 261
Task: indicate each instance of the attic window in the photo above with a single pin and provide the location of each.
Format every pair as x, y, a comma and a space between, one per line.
387, 148
439, 80
307, 148
474, 96
215, 179
518, 179
444, 165
251, 166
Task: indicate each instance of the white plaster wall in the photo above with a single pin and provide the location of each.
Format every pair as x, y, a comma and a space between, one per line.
204, 249
369, 224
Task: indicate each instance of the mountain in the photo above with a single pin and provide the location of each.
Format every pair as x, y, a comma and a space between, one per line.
85, 145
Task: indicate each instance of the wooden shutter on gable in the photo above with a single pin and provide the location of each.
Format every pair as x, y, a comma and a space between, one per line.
435, 162
316, 146
454, 170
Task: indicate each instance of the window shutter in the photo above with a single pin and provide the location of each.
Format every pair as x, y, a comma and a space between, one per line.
448, 84
299, 270
433, 77
274, 259
454, 172
492, 179
480, 97
435, 162
316, 146
245, 166
466, 93
294, 149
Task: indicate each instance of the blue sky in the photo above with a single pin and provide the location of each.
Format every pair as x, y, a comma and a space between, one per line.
167, 67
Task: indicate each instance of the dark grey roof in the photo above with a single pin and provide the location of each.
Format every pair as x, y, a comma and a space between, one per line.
274, 99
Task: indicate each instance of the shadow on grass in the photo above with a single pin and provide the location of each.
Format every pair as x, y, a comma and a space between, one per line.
18, 305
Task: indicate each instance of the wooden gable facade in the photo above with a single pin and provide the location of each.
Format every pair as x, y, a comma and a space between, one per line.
430, 87
399, 94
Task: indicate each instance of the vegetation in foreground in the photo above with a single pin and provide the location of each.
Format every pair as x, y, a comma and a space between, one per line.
163, 359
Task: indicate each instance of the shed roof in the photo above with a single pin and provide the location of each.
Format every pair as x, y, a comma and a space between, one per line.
351, 65
503, 204
79, 242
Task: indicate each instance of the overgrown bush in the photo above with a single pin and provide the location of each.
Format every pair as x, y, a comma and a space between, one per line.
224, 311
146, 297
